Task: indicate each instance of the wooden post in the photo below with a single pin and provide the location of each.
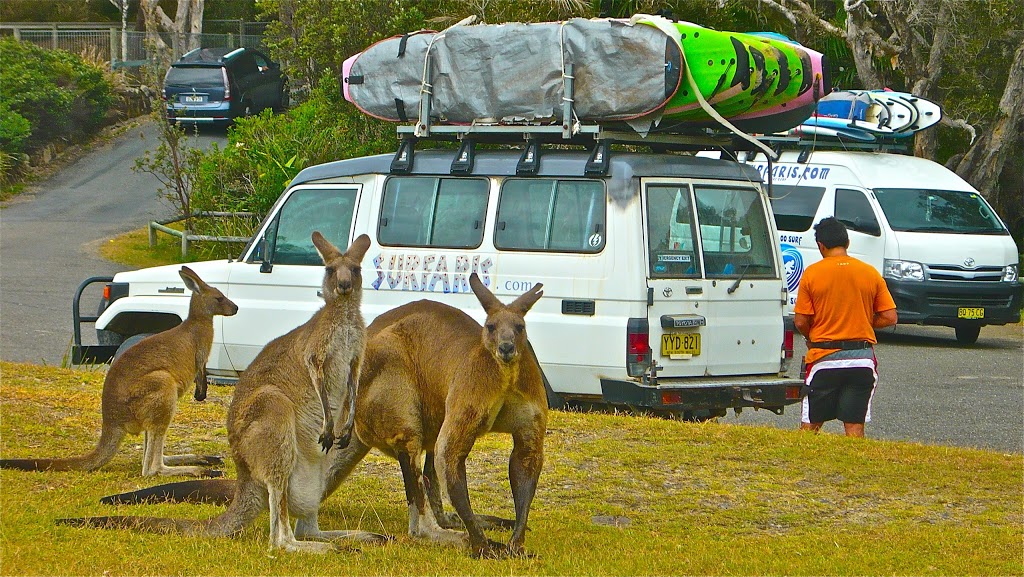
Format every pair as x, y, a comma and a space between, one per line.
152, 235
231, 40
53, 36
184, 242
17, 34
113, 48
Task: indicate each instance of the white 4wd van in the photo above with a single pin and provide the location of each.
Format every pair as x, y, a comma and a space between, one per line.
945, 255
663, 280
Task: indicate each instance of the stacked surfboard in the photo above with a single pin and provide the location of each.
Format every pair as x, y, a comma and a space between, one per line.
869, 115
650, 72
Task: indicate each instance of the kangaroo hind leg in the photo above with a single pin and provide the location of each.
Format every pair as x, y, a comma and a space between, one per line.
421, 518
281, 535
153, 459
451, 520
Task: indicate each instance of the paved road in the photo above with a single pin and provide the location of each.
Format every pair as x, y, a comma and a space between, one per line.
48, 240
931, 389
934, 391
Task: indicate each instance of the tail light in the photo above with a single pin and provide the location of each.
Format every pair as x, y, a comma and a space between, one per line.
788, 335
227, 84
638, 347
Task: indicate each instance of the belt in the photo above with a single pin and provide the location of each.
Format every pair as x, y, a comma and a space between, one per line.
843, 345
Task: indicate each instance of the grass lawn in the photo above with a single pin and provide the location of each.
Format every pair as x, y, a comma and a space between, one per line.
618, 496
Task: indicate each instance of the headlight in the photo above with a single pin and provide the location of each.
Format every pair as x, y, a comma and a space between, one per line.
1011, 273
902, 270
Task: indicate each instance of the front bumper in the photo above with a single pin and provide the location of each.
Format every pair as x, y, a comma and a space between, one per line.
711, 397
938, 302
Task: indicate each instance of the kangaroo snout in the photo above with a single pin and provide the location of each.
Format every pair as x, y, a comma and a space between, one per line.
344, 287
507, 351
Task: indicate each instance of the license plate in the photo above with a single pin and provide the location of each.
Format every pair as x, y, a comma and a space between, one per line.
970, 313
194, 99
680, 345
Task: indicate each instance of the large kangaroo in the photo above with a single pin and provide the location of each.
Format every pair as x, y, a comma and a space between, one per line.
286, 407
142, 388
433, 381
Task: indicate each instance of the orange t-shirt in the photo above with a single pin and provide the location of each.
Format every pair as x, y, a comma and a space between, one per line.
843, 294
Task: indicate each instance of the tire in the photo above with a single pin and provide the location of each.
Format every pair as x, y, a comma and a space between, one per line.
129, 343
967, 334
285, 100
555, 401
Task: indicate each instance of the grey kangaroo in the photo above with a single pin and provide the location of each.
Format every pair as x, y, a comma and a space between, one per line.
433, 381
142, 388
287, 406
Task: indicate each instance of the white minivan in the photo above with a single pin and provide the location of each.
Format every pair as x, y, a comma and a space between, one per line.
663, 281
946, 257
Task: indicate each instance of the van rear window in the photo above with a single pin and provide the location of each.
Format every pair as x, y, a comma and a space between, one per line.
795, 206
551, 215
434, 212
197, 77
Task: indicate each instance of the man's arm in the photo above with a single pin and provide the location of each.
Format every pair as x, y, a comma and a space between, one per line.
803, 323
884, 319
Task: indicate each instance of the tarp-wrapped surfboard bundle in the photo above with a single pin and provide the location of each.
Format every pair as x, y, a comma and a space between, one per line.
647, 71
514, 72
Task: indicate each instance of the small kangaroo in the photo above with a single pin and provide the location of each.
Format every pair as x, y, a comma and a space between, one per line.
142, 388
434, 380
283, 416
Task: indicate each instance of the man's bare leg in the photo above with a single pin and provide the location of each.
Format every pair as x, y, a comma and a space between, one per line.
813, 427
854, 429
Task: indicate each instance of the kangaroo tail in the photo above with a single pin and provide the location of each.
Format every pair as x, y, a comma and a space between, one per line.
147, 524
248, 502
215, 491
110, 440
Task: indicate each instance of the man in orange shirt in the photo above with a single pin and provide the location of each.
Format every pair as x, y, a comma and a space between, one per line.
840, 302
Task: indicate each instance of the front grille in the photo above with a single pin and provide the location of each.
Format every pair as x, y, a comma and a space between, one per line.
951, 272
969, 300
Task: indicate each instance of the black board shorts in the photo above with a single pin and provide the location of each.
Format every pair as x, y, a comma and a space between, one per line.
840, 393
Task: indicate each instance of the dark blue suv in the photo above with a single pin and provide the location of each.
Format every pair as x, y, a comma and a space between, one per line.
217, 85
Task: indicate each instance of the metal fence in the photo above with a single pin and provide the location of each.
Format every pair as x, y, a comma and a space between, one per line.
105, 43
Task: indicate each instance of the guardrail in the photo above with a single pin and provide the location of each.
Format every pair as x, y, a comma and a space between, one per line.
187, 237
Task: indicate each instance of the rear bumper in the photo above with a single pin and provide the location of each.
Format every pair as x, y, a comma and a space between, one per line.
713, 397
219, 112
937, 303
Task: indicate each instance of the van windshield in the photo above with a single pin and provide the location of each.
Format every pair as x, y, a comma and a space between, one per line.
197, 77
929, 210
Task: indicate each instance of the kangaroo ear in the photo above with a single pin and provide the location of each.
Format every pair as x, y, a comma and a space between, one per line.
526, 300
192, 280
486, 297
327, 250
357, 250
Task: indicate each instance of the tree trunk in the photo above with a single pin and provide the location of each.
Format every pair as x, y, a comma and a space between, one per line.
983, 164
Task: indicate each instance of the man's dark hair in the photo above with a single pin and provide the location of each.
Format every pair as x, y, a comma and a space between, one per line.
831, 233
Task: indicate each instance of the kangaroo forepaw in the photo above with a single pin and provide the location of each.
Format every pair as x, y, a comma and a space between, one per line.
326, 440
343, 441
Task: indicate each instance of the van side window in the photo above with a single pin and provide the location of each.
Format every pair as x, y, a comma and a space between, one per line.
670, 232
433, 212
289, 236
734, 232
795, 206
551, 215
854, 210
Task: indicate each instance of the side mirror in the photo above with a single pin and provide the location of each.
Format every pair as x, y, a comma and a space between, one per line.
266, 265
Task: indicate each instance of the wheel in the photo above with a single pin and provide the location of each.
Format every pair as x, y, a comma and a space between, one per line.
555, 401
967, 334
129, 343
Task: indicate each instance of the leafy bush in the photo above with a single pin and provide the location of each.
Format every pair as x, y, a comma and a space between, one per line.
265, 152
61, 96
14, 130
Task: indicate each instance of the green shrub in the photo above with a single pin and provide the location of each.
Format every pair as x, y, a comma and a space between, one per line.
61, 96
14, 130
265, 152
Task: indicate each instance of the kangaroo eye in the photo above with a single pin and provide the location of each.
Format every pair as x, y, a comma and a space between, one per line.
491, 327
357, 270
329, 270
519, 328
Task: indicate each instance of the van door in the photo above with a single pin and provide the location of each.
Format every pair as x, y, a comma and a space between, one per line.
718, 295
854, 209
277, 286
